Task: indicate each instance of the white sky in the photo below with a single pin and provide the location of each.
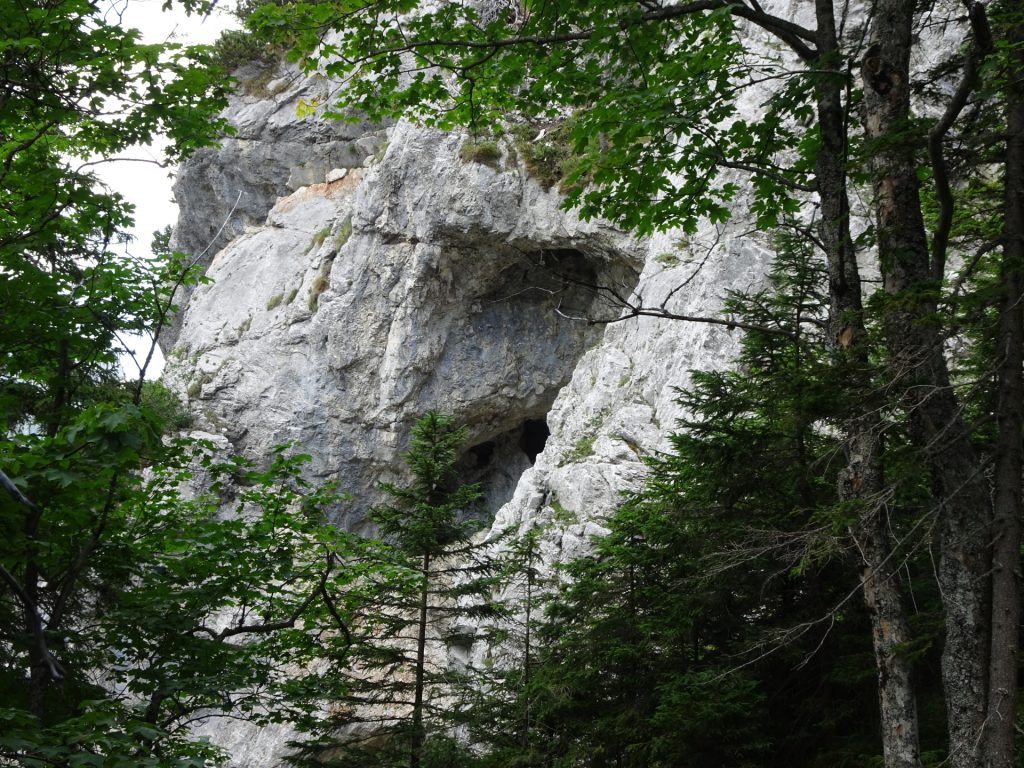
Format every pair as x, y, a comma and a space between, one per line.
145, 184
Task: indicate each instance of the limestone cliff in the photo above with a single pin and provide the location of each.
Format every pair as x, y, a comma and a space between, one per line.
360, 280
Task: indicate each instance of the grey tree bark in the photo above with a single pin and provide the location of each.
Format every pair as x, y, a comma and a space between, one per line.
418, 731
862, 478
918, 370
1009, 469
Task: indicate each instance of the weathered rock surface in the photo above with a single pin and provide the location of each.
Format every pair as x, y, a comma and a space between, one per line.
422, 282
340, 311
272, 152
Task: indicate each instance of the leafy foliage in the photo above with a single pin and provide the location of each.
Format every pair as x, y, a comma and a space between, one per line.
665, 117
75, 87
124, 602
150, 639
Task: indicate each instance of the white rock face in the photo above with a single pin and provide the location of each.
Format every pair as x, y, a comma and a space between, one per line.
422, 282
358, 300
272, 153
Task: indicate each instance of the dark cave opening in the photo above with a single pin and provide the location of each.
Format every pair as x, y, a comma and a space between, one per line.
533, 437
498, 462
483, 453
532, 314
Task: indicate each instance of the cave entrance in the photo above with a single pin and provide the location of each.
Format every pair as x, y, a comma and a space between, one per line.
534, 436
527, 317
498, 462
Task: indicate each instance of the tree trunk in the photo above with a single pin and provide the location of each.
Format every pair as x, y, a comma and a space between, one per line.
862, 478
418, 735
1009, 449
918, 371
527, 661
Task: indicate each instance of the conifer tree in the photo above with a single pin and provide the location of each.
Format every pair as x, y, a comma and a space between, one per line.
714, 624
398, 700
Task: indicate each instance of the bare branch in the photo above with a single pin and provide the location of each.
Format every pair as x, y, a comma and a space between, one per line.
53, 666
15, 492
632, 309
980, 47
729, 323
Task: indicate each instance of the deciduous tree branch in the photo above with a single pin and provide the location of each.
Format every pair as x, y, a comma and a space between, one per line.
981, 45
794, 35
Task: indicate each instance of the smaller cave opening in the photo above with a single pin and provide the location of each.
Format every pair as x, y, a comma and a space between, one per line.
533, 438
498, 462
483, 453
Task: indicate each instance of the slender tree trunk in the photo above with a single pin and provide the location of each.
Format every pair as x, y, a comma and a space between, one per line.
918, 370
1006, 594
862, 478
527, 660
418, 735
39, 680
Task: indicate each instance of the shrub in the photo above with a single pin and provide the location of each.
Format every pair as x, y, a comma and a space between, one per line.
483, 152
550, 159
320, 283
257, 86
343, 234
164, 405
236, 47
318, 239
582, 449
195, 388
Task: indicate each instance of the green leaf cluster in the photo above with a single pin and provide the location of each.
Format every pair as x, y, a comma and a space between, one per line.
652, 103
123, 600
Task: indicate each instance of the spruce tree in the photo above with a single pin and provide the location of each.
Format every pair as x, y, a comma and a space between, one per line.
715, 624
397, 697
